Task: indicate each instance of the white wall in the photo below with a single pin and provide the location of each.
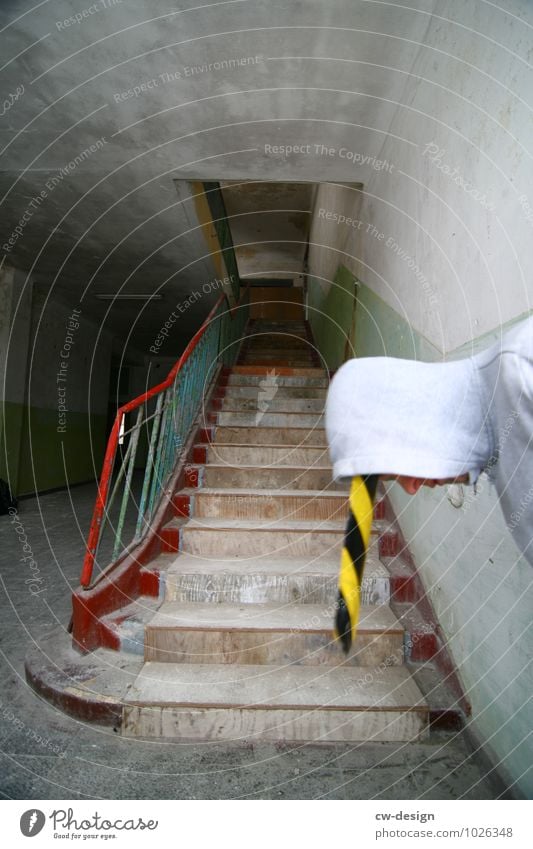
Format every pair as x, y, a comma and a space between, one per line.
336, 232
88, 361
475, 255
474, 250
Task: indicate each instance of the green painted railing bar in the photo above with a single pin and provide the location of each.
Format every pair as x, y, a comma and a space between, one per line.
178, 403
149, 465
126, 495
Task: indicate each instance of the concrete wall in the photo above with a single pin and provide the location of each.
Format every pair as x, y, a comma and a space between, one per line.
441, 261
56, 392
454, 199
16, 292
334, 242
454, 263
480, 587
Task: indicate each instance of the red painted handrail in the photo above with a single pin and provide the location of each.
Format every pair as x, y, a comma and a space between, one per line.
112, 443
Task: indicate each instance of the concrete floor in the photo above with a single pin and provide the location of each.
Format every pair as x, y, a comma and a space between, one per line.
47, 755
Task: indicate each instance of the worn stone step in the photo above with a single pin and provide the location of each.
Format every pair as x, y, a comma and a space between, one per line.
269, 633
278, 337
289, 356
263, 404
281, 391
264, 326
269, 477
275, 360
267, 455
282, 342
260, 580
295, 704
242, 538
285, 370
261, 435
250, 419
236, 379
281, 345
128, 624
296, 505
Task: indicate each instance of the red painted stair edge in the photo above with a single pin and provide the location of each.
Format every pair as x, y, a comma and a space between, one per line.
406, 587
131, 576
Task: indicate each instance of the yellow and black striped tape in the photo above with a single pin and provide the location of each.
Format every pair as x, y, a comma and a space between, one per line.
362, 493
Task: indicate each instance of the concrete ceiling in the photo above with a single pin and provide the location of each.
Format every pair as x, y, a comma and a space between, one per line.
270, 226
239, 90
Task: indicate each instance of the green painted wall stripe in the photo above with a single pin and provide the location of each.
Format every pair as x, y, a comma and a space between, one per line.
331, 316
380, 331
49, 459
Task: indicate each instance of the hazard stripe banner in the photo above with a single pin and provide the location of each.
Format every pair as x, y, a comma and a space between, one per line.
356, 541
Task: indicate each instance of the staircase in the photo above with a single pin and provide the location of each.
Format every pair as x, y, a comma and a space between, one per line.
242, 646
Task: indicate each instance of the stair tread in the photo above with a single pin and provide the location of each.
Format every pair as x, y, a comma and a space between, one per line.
187, 564
306, 420
270, 687
268, 616
251, 405
314, 525
312, 494
264, 466
270, 427
260, 445
249, 368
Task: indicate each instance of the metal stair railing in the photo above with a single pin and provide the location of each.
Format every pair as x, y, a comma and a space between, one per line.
164, 416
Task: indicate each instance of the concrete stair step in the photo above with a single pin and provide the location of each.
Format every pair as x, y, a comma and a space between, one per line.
267, 455
288, 356
128, 623
280, 345
264, 326
295, 704
243, 379
269, 633
278, 336
275, 436
239, 538
252, 419
281, 391
279, 357
272, 504
261, 580
277, 360
284, 370
275, 405
269, 477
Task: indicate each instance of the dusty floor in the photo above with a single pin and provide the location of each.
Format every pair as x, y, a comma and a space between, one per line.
47, 755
